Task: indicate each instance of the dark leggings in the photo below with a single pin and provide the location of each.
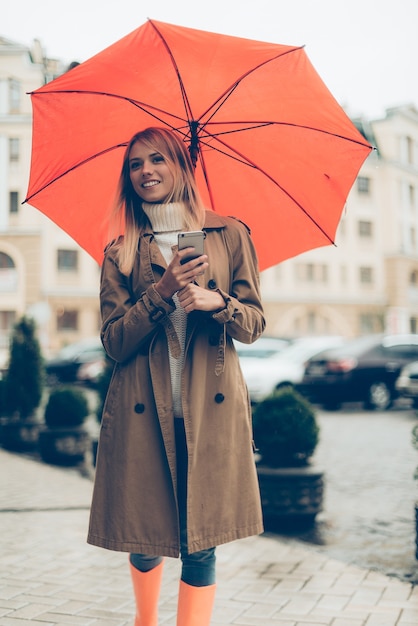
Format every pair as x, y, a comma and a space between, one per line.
198, 568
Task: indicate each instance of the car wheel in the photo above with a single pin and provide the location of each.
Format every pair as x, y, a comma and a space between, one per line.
379, 396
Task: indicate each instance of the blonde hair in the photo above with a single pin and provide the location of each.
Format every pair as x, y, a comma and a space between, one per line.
128, 209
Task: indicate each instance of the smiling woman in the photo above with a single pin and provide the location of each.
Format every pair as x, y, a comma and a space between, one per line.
176, 399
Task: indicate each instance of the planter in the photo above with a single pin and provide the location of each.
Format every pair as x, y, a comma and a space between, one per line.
290, 496
20, 435
64, 446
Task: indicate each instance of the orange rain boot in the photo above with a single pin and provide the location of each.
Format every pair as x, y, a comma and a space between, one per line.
147, 590
195, 605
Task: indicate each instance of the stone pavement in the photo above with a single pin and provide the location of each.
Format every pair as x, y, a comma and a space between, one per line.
50, 576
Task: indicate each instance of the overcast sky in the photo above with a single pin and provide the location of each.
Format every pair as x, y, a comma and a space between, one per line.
366, 51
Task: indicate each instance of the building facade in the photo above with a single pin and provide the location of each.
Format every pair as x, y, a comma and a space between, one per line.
367, 283
43, 272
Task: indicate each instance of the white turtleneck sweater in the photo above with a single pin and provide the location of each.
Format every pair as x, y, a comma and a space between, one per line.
167, 221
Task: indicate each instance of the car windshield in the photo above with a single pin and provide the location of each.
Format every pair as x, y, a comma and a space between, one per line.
302, 349
357, 346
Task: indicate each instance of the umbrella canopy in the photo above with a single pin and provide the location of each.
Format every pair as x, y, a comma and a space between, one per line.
270, 143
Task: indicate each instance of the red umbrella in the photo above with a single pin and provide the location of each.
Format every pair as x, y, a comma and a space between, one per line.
271, 144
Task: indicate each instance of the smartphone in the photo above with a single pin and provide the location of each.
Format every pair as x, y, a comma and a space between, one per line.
192, 238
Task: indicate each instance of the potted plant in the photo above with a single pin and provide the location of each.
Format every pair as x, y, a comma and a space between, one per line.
22, 388
64, 440
286, 434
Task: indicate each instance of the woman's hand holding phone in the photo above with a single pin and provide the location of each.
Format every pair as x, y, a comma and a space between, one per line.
188, 263
180, 273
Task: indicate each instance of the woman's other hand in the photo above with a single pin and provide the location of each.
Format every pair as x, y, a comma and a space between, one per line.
195, 298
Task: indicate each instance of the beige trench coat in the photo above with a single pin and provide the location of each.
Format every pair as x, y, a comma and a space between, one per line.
134, 506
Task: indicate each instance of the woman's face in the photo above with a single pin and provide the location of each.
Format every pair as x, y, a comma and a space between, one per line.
149, 173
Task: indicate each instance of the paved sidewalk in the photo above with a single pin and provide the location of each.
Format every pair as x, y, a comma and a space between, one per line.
50, 576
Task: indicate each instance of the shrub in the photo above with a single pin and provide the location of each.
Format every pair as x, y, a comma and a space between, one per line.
66, 406
24, 380
285, 429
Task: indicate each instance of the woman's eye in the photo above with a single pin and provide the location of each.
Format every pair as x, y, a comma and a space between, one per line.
158, 159
135, 165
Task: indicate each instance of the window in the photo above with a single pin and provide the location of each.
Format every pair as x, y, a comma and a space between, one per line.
67, 260
14, 96
370, 323
413, 278
363, 184
14, 148
14, 202
8, 273
401, 351
322, 273
67, 320
410, 150
412, 196
7, 321
6, 261
365, 229
366, 275
312, 273
311, 322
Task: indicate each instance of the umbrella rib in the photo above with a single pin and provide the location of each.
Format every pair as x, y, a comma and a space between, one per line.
228, 92
140, 105
255, 125
259, 124
74, 167
186, 102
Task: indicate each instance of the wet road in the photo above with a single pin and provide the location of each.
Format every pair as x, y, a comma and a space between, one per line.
370, 491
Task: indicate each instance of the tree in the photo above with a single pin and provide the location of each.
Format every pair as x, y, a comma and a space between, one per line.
24, 379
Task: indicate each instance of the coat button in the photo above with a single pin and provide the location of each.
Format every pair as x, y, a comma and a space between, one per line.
139, 408
212, 284
219, 398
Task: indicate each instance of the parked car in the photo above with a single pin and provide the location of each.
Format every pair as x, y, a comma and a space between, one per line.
66, 365
407, 383
284, 368
363, 370
90, 372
